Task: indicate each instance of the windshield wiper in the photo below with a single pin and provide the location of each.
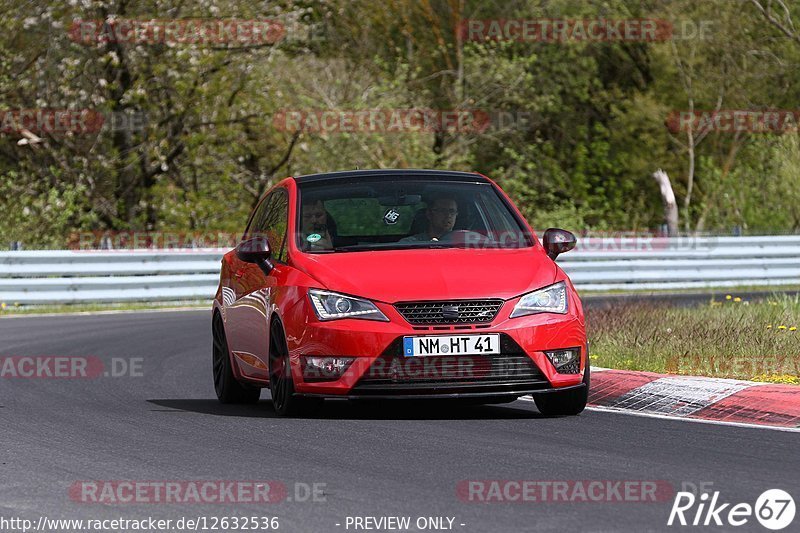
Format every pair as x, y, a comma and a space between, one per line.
365, 247
392, 246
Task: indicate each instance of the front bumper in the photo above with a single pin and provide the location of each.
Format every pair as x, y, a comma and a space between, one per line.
379, 369
443, 395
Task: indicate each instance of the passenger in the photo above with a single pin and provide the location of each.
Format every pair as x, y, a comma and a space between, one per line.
316, 227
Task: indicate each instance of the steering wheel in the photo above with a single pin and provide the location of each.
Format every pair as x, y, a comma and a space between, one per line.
465, 236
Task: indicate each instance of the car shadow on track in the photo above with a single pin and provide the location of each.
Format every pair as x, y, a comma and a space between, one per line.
347, 410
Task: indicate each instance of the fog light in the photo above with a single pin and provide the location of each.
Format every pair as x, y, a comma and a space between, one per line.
567, 361
317, 368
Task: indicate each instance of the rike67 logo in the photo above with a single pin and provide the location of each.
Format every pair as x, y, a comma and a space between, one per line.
774, 509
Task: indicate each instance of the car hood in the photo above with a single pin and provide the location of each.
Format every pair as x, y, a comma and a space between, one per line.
454, 273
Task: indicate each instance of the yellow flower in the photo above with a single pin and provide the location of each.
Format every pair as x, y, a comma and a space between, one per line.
737, 299
777, 378
781, 327
3, 305
793, 328
593, 357
728, 296
769, 326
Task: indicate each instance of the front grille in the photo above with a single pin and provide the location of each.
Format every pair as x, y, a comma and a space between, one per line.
449, 311
392, 373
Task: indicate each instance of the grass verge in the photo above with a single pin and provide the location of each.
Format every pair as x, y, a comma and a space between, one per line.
732, 338
15, 310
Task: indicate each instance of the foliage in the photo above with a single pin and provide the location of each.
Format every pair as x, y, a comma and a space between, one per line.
586, 129
727, 338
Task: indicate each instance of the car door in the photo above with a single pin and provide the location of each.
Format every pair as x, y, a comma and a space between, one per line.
250, 313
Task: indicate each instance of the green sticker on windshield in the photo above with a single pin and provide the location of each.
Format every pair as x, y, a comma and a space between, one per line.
314, 237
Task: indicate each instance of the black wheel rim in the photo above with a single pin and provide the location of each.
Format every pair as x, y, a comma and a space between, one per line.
220, 355
278, 369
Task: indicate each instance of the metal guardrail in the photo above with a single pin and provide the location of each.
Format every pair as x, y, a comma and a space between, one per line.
683, 263
35, 277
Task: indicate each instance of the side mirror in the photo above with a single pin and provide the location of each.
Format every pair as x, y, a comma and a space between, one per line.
256, 250
557, 241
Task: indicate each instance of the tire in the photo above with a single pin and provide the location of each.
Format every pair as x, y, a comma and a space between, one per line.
228, 389
281, 385
565, 403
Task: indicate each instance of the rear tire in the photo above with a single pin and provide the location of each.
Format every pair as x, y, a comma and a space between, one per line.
564, 403
281, 384
228, 389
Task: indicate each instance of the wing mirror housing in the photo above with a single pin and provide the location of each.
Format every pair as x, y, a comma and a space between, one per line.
557, 241
256, 250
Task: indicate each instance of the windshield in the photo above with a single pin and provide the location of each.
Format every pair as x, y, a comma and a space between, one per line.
385, 213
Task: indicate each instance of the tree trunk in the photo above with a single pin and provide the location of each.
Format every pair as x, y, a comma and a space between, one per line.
668, 197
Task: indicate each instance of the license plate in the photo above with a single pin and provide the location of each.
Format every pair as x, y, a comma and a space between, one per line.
451, 345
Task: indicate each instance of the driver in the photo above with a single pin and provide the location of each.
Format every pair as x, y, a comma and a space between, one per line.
441, 215
314, 229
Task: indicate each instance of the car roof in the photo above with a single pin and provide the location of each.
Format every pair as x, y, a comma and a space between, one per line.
400, 173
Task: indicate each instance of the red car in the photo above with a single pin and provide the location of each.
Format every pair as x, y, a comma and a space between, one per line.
397, 284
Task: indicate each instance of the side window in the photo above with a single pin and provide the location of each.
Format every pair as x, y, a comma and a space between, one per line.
273, 222
258, 216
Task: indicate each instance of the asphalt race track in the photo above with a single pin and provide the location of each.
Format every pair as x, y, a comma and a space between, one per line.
164, 423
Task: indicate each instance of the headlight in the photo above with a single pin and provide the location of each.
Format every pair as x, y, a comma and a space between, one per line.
332, 306
552, 299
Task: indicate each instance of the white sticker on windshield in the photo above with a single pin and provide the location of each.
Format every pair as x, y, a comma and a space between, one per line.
314, 237
391, 217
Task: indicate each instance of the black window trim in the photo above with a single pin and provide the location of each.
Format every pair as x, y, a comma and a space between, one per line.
281, 189
394, 175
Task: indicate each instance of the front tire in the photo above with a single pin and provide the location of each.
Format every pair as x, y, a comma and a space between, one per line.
564, 403
281, 384
228, 389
